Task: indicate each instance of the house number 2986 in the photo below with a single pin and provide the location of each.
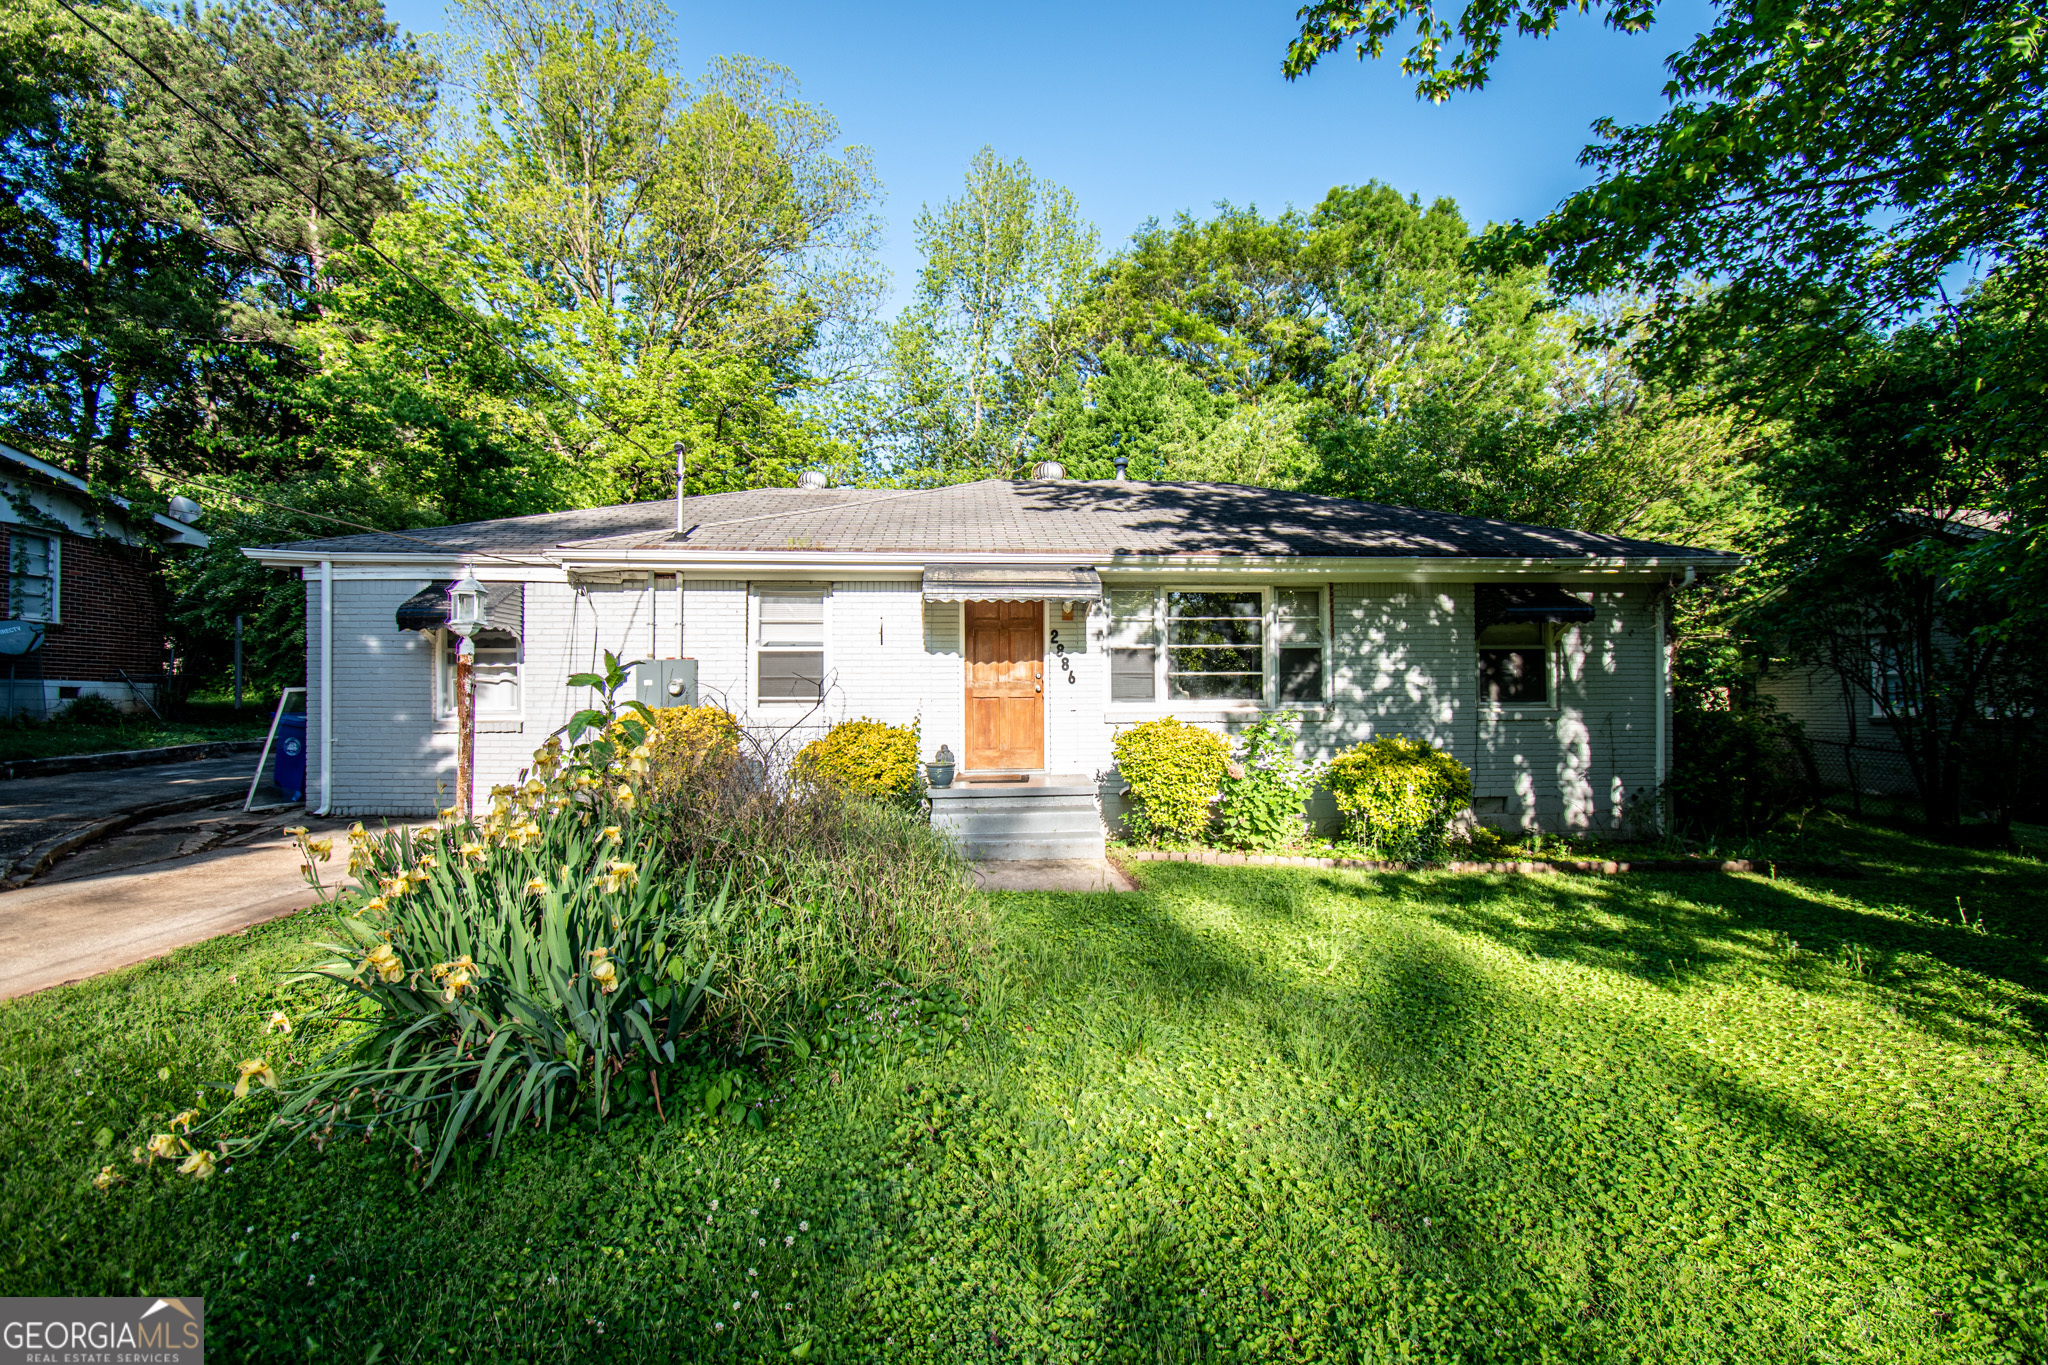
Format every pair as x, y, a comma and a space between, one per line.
1060, 652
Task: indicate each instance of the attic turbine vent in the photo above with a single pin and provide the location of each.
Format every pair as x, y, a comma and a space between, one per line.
813, 478
1048, 469
184, 509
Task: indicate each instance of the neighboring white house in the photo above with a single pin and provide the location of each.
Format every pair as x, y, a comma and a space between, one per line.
1021, 624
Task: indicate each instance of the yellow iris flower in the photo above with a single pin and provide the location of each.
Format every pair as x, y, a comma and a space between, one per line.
199, 1165
604, 971
618, 876
166, 1146
279, 1022
383, 959
538, 886
254, 1069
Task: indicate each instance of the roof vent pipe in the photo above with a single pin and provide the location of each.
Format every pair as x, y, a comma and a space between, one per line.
1123, 468
1048, 469
813, 478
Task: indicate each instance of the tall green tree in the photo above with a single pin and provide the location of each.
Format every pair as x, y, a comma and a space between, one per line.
989, 329
1826, 163
689, 250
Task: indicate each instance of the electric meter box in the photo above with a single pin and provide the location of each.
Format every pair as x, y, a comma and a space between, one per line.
665, 682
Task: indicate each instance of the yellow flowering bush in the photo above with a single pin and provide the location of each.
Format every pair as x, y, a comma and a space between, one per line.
867, 758
1173, 771
1399, 795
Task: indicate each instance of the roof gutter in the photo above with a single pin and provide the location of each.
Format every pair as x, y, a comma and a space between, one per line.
914, 561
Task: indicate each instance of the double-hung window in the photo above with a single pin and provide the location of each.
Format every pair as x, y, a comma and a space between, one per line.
1891, 681
31, 577
1514, 664
494, 670
789, 651
1262, 646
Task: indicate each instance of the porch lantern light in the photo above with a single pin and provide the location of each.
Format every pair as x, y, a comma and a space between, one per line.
467, 602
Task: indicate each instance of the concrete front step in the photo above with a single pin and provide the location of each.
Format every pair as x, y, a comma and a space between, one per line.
1044, 818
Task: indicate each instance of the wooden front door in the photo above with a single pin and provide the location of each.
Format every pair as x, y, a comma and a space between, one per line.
1005, 682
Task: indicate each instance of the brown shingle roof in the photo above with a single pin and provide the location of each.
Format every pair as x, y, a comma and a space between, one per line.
1085, 519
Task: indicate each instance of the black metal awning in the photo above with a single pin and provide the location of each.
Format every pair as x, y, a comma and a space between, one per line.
427, 609
1507, 604
1004, 583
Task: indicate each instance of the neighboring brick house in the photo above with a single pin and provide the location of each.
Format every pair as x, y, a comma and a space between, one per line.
81, 570
1022, 624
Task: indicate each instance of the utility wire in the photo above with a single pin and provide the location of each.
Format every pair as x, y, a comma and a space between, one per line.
339, 521
364, 237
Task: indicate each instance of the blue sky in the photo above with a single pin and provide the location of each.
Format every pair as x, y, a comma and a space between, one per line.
1145, 108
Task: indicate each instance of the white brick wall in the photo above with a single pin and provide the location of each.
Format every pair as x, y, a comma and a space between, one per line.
1404, 661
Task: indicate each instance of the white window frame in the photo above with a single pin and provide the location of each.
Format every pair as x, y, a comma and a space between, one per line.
1269, 646
445, 644
755, 649
1552, 637
56, 544
1884, 661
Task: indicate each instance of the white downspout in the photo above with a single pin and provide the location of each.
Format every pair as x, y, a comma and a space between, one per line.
653, 626
326, 685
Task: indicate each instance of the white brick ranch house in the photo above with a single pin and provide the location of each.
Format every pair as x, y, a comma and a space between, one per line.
1021, 624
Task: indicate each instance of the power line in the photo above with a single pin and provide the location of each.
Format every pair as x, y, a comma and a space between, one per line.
363, 236
323, 516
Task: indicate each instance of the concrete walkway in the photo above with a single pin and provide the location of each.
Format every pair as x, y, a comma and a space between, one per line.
1051, 874
69, 929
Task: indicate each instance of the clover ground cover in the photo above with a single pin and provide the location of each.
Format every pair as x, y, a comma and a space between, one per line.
1247, 1113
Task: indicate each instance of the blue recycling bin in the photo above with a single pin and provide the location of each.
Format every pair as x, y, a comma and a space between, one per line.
288, 767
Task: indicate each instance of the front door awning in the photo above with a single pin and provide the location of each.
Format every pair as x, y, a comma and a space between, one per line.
1003, 583
1507, 604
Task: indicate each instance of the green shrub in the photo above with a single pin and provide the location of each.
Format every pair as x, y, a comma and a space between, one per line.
1399, 796
865, 758
1173, 771
91, 709
1266, 787
1736, 772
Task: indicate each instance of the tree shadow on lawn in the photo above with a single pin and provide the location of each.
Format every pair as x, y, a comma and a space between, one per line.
1671, 930
1461, 1089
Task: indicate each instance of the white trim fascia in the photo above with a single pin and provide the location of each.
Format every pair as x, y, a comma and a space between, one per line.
1263, 566
181, 534
555, 566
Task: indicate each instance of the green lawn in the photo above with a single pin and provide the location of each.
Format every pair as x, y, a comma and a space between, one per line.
1250, 1113
61, 737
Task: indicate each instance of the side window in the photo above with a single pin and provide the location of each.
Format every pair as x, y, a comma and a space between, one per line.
789, 654
1514, 665
1133, 645
31, 577
1298, 632
495, 667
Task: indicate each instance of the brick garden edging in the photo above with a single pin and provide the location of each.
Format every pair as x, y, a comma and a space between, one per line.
1598, 868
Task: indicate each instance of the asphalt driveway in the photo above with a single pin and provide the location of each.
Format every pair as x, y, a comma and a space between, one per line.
33, 809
